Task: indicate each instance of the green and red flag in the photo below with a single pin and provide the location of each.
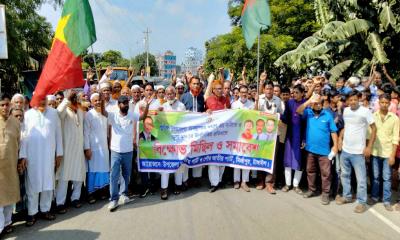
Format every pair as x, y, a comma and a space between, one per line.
256, 16
74, 34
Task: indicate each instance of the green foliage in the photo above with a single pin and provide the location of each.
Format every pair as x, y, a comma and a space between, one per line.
28, 37
364, 33
292, 21
139, 62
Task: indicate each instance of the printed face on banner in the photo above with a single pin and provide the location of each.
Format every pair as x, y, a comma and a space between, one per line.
236, 138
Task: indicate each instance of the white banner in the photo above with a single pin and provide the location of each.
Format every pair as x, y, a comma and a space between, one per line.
3, 33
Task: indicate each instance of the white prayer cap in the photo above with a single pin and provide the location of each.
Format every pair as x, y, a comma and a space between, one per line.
135, 87
179, 84
17, 95
179, 79
105, 85
159, 87
93, 96
51, 98
354, 80
117, 81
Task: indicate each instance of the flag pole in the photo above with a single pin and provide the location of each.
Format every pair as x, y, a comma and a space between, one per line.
95, 65
258, 62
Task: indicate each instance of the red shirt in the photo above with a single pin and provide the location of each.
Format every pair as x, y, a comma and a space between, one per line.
214, 103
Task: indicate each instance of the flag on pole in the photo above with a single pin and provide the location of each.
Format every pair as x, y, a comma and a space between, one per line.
256, 16
74, 34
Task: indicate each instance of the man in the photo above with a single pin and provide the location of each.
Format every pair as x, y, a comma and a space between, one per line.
73, 166
242, 103
355, 151
227, 90
122, 126
51, 101
9, 180
259, 135
320, 128
384, 151
194, 102
277, 90
18, 101
105, 92
160, 89
135, 93
271, 104
180, 90
294, 140
59, 98
42, 149
217, 101
116, 90
173, 105
96, 148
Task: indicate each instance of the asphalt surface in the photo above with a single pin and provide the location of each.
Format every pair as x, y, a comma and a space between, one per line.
225, 214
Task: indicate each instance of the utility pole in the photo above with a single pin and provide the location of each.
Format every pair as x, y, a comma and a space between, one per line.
146, 38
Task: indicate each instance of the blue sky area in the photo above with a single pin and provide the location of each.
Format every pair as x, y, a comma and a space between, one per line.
174, 24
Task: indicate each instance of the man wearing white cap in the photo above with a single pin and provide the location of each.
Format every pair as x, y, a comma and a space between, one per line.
51, 101
173, 105
180, 89
18, 101
105, 91
96, 148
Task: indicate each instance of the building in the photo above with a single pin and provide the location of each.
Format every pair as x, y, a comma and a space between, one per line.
166, 64
193, 59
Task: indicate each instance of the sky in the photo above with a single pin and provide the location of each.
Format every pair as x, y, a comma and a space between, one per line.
175, 25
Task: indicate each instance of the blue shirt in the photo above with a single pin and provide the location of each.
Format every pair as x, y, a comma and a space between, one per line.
344, 90
318, 133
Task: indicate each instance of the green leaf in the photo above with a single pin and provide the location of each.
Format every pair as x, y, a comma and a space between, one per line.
351, 28
337, 71
386, 17
308, 43
376, 48
363, 70
328, 30
322, 11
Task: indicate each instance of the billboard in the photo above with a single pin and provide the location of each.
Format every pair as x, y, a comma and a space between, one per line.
3, 33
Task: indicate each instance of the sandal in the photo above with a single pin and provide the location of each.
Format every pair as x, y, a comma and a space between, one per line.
48, 216
30, 221
91, 200
298, 190
286, 188
8, 229
177, 190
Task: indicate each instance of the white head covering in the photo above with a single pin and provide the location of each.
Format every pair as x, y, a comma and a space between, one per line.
93, 96
159, 87
354, 80
105, 85
51, 98
179, 84
17, 95
135, 87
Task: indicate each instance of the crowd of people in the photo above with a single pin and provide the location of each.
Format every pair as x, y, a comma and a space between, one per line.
341, 138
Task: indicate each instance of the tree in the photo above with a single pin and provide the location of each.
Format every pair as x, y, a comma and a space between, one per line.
139, 62
354, 36
28, 39
291, 21
112, 56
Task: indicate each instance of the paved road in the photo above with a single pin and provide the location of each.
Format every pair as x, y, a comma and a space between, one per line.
225, 214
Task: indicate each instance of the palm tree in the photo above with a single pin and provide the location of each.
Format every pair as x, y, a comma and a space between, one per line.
355, 35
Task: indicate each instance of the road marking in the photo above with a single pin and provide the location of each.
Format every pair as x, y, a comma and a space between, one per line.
385, 220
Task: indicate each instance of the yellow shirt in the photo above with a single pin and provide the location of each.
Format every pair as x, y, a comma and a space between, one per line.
387, 134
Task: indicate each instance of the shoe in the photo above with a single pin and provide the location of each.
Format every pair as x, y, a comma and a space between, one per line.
360, 208
388, 207
236, 185
325, 198
397, 207
164, 194
144, 193
309, 194
298, 190
260, 185
113, 205
91, 199
213, 189
177, 189
61, 209
124, 200
341, 200
185, 186
286, 188
48, 216
270, 189
371, 201
76, 204
8, 229
30, 221
245, 187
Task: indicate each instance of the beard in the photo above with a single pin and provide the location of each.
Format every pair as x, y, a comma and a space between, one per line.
317, 111
124, 110
195, 92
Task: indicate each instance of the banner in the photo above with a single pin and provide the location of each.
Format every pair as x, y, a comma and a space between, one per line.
237, 138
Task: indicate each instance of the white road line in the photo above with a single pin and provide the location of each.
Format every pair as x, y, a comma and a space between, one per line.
385, 220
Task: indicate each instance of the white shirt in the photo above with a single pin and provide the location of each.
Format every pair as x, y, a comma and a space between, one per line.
356, 125
177, 106
112, 106
154, 105
240, 105
122, 130
270, 106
